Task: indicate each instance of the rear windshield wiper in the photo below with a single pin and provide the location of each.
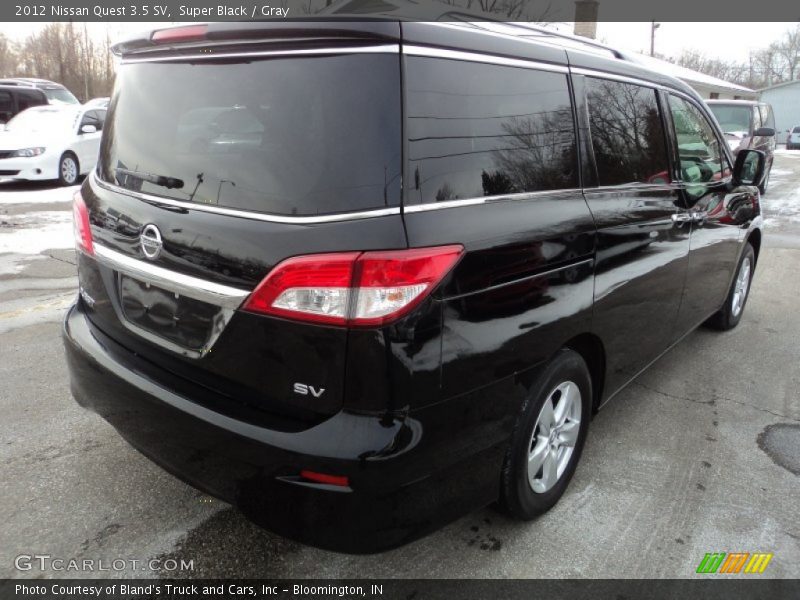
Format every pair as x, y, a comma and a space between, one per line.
159, 180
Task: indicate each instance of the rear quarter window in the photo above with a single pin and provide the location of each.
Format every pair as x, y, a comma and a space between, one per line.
6, 106
479, 130
289, 136
27, 99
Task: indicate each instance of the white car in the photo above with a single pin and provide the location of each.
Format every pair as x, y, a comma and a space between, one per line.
51, 142
793, 139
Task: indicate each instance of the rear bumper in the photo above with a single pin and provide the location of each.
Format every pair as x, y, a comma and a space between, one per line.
407, 476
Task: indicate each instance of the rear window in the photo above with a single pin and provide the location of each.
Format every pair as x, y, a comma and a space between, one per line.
299, 136
479, 130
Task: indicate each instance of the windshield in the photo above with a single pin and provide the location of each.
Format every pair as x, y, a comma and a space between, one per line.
43, 121
733, 118
299, 136
60, 95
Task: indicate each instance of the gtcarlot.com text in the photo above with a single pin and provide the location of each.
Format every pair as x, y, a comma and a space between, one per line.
47, 562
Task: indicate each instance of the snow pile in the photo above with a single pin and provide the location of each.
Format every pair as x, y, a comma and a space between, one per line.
36, 196
33, 233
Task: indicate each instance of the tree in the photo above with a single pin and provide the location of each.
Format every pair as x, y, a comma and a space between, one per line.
778, 62
61, 52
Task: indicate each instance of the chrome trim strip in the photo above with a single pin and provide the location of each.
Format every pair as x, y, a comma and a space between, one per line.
245, 214
634, 187
482, 58
523, 279
488, 200
615, 77
193, 287
175, 56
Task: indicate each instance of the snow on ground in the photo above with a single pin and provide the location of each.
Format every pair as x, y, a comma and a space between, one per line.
11, 194
777, 174
32, 233
782, 210
782, 151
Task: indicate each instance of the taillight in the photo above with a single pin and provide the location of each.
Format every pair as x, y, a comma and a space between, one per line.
358, 289
187, 33
80, 220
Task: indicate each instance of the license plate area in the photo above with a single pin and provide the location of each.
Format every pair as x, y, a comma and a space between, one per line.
185, 322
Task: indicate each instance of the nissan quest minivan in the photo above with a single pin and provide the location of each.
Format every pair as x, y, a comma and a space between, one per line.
361, 278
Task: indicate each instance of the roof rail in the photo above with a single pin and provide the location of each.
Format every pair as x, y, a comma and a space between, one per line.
523, 28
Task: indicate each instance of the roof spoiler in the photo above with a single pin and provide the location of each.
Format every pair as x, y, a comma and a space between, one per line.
260, 32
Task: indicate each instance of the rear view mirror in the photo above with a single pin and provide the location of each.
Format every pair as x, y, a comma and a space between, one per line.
764, 132
88, 129
749, 167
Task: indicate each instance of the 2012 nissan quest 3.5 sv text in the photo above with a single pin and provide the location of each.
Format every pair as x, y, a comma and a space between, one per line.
361, 278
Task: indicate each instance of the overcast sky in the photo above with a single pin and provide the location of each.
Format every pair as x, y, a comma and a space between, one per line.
729, 41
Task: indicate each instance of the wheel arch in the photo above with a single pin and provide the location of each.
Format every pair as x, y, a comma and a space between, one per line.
754, 239
593, 352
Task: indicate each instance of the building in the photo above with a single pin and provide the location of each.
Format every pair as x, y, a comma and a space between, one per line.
785, 101
710, 88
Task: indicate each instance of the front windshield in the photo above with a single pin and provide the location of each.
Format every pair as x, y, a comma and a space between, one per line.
60, 95
732, 118
42, 121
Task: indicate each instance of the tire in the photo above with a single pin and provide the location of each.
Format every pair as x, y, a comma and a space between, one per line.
68, 169
566, 377
731, 312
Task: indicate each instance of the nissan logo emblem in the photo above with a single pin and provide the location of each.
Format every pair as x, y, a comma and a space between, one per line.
150, 241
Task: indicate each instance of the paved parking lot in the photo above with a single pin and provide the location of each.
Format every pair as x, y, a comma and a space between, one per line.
700, 454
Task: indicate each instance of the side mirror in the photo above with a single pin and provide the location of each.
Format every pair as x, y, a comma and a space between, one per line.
764, 132
749, 167
88, 129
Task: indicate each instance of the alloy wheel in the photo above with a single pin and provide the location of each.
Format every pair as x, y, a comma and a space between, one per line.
69, 170
554, 436
741, 287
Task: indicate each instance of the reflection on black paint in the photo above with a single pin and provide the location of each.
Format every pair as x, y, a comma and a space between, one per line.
627, 134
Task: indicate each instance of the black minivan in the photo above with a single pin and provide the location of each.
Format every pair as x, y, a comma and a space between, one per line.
361, 278
13, 100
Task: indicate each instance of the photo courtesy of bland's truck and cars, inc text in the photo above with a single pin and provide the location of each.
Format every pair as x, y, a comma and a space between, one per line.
434, 299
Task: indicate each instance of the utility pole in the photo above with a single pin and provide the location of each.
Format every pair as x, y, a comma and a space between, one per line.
653, 27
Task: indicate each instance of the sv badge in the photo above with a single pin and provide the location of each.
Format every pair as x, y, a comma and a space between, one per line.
305, 390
